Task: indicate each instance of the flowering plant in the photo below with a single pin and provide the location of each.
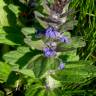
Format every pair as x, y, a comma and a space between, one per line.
44, 59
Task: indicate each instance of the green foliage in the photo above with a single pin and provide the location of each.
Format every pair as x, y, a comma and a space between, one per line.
13, 56
86, 17
1, 93
3, 14
4, 71
24, 67
7, 36
9, 31
75, 72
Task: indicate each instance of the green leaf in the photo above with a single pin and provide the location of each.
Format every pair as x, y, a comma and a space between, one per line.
8, 17
69, 56
31, 91
67, 34
13, 79
42, 93
13, 56
4, 71
77, 42
69, 25
28, 31
38, 44
14, 9
21, 56
46, 9
75, 72
37, 63
26, 72
30, 39
3, 14
10, 36
1, 93
42, 23
8, 14
41, 65
74, 43
51, 93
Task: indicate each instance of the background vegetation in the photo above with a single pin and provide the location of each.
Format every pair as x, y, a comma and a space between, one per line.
86, 17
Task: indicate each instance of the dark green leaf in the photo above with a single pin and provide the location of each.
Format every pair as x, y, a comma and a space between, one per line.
41, 64
10, 36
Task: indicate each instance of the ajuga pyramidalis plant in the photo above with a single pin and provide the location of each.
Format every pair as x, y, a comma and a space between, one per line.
47, 64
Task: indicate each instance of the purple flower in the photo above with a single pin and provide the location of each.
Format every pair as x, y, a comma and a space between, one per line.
61, 66
48, 52
51, 33
64, 39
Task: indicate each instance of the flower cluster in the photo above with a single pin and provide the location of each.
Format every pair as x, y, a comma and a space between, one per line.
48, 52
52, 34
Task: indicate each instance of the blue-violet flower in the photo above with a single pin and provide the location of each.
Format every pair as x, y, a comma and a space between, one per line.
51, 33
48, 52
64, 39
61, 66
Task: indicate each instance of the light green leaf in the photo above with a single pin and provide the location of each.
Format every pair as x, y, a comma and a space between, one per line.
69, 56
26, 72
42, 23
46, 9
5, 70
28, 31
69, 25
8, 14
38, 44
73, 44
14, 9
77, 42
12, 57
3, 14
